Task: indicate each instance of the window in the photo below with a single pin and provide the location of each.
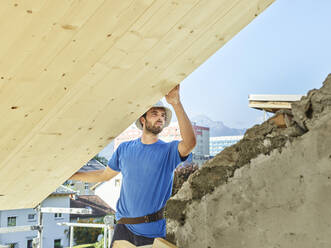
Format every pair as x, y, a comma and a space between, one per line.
11, 221
58, 215
31, 217
86, 186
57, 243
29, 243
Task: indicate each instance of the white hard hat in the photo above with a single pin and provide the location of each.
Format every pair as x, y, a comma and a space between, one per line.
159, 104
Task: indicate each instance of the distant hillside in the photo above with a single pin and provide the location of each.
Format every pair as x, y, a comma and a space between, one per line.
217, 128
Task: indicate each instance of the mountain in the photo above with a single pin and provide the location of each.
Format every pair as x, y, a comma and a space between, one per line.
217, 128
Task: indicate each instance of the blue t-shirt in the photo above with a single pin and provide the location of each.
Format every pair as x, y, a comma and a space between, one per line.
147, 172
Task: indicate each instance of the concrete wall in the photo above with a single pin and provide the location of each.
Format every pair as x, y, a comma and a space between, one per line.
271, 189
278, 200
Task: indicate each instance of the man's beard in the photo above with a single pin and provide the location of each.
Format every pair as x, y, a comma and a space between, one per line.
153, 129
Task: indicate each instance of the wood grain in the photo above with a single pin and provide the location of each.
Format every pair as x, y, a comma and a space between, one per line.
74, 74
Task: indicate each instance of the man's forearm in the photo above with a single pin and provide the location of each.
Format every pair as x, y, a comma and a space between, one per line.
185, 126
89, 176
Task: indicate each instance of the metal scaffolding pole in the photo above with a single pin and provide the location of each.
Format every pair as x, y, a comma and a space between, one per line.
108, 227
71, 236
39, 241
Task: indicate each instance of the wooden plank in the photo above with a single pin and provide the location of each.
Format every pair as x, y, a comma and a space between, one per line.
15, 17
270, 105
224, 28
275, 98
111, 62
123, 244
34, 103
16, 92
162, 243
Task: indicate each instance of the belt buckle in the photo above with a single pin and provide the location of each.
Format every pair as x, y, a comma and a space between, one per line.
150, 218
146, 218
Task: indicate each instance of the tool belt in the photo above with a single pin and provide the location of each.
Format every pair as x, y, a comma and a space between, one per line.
143, 219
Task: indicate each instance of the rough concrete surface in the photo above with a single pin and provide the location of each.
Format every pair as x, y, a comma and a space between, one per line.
271, 189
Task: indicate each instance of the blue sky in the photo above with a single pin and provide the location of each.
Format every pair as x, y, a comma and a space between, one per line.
285, 50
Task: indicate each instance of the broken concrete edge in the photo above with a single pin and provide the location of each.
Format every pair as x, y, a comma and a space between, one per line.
218, 170
260, 139
278, 200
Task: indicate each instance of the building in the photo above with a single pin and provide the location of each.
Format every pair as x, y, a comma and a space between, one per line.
53, 234
109, 191
200, 153
217, 144
98, 206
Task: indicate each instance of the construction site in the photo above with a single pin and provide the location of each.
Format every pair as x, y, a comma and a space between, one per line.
74, 74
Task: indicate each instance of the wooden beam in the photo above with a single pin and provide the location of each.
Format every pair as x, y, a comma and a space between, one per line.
270, 106
74, 74
274, 98
162, 243
123, 244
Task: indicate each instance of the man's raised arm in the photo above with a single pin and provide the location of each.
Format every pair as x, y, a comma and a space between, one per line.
186, 130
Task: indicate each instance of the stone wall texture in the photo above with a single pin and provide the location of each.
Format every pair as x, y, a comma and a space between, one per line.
272, 189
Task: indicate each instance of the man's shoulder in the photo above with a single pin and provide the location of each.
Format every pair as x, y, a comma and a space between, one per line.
168, 142
128, 143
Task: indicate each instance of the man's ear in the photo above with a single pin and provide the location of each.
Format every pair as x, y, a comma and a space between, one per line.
142, 120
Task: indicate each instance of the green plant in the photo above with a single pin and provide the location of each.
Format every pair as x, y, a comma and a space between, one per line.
86, 235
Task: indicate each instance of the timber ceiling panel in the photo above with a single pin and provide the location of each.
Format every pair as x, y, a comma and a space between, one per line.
75, 73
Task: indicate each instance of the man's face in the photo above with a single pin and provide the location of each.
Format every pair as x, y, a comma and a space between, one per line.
155, 120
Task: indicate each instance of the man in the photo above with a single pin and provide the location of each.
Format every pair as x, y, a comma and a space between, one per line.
147, 165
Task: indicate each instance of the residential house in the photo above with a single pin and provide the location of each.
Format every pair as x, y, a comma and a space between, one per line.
99, 207
53, 234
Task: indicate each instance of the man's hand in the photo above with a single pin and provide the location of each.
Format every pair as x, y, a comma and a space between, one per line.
173, 96
186, 130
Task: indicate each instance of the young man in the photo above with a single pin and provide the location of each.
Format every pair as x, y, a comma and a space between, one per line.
147, 165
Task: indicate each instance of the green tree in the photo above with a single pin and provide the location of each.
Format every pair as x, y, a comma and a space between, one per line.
101, 159
86, 235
